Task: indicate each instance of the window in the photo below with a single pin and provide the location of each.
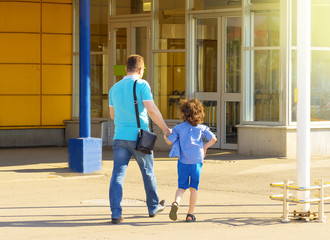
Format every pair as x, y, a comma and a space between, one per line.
126, 7
262, 61
320, 61
169, 56
206, 55
169, 25
213, 4
233, 55
169, 82
99, 58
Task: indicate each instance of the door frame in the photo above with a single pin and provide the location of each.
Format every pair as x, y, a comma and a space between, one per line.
129, 23
220, 96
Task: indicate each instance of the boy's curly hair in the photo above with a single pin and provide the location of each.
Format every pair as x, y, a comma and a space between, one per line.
192, 111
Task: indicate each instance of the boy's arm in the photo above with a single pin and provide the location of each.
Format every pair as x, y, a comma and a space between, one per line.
209, 144
166, 139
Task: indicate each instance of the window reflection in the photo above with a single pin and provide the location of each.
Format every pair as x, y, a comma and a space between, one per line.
140, 45
206, 51
99, 86
169, 82
121, 53
294, 86
99, 58
266, 85
210, 111
125, 7
266, 29
212, 4
320, 86
264, 1
232, 120
99, 25
262, 55
233, 55
169, 30
320, 61
320, 21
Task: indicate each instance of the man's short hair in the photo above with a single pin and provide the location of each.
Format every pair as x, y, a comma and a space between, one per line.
134, 63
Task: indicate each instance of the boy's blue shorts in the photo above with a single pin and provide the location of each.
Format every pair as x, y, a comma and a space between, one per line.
189, 174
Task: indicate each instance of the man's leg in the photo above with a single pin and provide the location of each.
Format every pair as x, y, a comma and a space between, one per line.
146, 164
121, 159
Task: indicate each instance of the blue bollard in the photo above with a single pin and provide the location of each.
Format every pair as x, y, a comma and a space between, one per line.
85, 153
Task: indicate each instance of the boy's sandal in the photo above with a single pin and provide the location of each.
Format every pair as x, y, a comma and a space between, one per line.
190, 218
174, 209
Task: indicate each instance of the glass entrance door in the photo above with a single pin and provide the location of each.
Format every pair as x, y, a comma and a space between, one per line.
126, 38
217, 78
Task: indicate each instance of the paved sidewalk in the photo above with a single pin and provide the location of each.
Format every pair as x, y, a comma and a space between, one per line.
41, 198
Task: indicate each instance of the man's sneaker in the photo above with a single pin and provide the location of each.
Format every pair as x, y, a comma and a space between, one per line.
117, 220
161, 207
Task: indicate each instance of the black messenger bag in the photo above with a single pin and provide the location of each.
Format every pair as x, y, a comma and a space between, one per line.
146, 140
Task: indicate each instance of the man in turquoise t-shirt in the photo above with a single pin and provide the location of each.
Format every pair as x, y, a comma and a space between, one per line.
122, 111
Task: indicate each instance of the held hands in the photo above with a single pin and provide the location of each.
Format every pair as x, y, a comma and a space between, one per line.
165, 137
168, 132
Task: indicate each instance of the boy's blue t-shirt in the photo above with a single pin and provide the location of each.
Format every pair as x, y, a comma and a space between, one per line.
121, 98
188, 140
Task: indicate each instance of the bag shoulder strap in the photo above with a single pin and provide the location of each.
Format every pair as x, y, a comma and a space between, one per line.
136, 105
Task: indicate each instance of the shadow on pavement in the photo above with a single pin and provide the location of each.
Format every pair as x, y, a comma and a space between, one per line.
245, 221
230, 218
37, 155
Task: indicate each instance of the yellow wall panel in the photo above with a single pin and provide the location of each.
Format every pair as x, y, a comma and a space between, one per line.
57, 79
57, 1
57, 18
19, 48
56, 109
56, 48
19, 17
19, 79
19, 110
26, 0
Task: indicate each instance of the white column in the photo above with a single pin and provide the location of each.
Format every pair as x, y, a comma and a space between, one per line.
303, 106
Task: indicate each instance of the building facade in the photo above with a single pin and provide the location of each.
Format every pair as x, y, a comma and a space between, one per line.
35, 72
238, 57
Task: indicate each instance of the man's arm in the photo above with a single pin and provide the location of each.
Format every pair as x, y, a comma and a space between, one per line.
156, 116
112, 112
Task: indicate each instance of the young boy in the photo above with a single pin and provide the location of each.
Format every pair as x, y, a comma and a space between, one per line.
187, 140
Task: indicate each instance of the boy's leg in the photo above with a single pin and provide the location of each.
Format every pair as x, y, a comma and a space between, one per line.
183, 180
183, 184
178, 195
196, 170
192, 200
175, 205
